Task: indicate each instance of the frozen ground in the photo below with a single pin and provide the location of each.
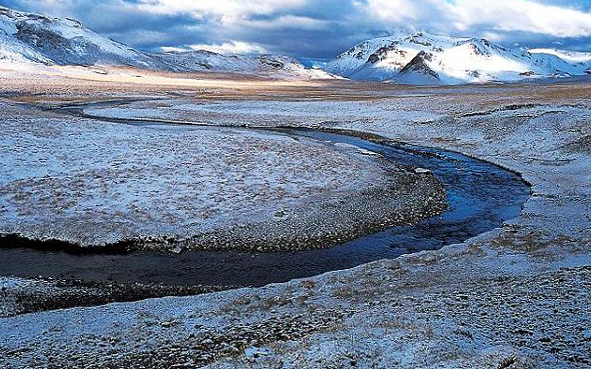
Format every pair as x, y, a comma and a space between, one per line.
516, 297
30, 295
96, 183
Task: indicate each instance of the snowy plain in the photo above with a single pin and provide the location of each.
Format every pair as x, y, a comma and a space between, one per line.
513, 297
96, 183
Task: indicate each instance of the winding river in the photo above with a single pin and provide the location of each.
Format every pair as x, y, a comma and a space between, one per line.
481, 197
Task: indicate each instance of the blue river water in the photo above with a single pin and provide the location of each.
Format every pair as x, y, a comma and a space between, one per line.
481, 196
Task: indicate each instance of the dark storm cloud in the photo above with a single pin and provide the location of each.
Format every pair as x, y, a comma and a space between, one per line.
122, 22
320, 29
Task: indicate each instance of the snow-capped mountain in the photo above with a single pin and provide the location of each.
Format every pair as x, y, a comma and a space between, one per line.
260, 64
421, 58
28, 38
573, 57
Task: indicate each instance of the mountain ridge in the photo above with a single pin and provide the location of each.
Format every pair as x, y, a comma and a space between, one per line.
452, 60
30, 39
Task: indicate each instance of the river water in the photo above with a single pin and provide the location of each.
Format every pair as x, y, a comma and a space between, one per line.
481, 197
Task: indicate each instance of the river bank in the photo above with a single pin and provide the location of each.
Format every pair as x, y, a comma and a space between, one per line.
512, 297
171, 188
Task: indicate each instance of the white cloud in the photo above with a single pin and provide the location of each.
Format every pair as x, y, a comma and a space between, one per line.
524, 15
500, 15
232, 47
398, 11
492, 36
225, 10
288, 21
172, 49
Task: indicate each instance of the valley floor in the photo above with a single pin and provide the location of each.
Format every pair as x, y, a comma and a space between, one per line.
515, 297
172, 188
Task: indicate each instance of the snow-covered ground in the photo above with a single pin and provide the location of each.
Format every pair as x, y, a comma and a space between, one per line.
515, 297
257, 113
95, 183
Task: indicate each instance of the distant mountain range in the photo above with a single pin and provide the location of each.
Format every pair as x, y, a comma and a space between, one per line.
421, 58
265, 64
415, 58
27, 38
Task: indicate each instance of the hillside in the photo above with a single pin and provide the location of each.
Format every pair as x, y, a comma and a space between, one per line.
32, 39
260, 64
421, 58
28, 37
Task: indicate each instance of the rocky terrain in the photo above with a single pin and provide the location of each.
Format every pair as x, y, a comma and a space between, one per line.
30, 295
515, 297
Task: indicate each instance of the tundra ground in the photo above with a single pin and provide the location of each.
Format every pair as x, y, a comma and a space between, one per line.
515, 297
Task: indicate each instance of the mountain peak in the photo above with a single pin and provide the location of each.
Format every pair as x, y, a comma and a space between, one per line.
35, 39
451, 60
419, 71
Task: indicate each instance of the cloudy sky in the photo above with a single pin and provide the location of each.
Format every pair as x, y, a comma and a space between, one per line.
320, 29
